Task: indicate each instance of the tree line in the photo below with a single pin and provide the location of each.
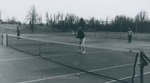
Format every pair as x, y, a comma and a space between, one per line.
67, 22
120, 23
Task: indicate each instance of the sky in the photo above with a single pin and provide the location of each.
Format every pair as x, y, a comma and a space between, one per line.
100, 9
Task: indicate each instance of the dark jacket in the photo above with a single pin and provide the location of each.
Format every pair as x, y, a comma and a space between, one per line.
80, 34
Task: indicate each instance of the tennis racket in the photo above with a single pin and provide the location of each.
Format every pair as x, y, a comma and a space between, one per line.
74, 33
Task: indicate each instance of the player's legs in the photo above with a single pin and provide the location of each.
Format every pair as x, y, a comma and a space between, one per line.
18, 35
83, 45
129, 38
80, 47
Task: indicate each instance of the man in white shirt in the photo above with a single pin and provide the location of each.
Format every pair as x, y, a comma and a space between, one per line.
129, 35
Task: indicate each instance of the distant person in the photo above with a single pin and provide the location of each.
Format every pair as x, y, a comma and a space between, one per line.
130, 35
18, 31
81, 37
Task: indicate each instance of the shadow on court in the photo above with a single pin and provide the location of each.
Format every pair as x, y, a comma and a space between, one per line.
18, 67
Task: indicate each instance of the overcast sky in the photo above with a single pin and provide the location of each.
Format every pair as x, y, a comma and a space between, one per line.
99, 9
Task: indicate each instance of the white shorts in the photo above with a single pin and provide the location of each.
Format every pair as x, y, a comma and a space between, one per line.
82, 41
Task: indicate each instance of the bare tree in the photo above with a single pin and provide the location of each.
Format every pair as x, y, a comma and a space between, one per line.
51, 23
141, 17
32, 17
0, 14
0, 17
58, 17
39, 19
47, 19
12, 20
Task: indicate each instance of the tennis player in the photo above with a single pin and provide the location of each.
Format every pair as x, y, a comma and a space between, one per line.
81, 37
18, 32
129, 35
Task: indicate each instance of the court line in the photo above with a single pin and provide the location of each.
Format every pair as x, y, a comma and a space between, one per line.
18, 59
37, 80
111, 67
127, 77
48, 78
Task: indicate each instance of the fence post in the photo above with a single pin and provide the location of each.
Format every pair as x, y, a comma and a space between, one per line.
6, 39
39, 47
2, 40
136, 30
120, 29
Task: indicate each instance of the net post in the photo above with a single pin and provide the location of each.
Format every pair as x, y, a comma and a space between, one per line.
135, 63
6, 40
141, 67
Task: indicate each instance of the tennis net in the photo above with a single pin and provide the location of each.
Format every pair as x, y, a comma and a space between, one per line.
112, 65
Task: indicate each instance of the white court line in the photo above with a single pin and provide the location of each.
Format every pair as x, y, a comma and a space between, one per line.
48, 78
18, 59
111, 67
127, 77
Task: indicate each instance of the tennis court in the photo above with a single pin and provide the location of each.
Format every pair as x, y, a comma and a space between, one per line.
103, 63
59, 62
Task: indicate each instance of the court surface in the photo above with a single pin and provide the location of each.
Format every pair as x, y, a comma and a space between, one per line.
21, 67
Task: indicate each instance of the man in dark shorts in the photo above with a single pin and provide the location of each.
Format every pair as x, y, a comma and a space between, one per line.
81, 37
18, 32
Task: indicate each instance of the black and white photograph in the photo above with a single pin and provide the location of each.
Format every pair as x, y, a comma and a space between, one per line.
74, 41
